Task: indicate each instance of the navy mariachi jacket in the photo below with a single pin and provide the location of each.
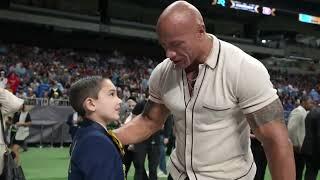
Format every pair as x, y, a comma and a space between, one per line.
94, 155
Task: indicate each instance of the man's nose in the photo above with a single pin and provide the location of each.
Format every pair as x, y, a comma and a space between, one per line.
170, 54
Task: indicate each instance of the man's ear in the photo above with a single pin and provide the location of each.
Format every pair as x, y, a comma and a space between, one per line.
89, 105
201, 29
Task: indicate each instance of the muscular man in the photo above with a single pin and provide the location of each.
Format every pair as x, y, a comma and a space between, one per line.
215, 91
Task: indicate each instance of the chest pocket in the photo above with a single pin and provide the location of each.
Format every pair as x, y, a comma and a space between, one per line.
218, 112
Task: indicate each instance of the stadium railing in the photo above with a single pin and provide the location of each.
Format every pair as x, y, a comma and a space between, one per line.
46, 102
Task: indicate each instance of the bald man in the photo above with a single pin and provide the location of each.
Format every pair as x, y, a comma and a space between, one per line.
216, 93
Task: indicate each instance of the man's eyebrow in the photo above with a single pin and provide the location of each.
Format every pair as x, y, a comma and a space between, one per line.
175, 42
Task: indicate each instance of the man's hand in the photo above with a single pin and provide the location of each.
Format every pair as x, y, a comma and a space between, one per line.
131, 147
165, 141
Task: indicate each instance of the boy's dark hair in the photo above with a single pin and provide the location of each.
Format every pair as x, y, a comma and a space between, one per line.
82, 89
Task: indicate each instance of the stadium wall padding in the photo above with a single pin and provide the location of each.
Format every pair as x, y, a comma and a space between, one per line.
49, 124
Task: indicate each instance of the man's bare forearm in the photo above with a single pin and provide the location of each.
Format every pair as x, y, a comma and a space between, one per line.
144, 125
269, 127
137, 130
279, 153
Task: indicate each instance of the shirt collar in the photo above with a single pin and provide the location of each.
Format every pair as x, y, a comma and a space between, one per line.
88, 122
213, 57
104, 126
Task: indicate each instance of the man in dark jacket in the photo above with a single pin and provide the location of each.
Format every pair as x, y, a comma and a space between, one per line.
151, 146
311, 145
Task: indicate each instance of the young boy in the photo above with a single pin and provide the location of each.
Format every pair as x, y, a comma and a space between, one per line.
96, 153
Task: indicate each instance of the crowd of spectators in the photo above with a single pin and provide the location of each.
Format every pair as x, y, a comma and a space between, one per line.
33, 72
291, 87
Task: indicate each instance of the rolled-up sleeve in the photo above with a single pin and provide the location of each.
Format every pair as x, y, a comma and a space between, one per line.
155, 85
254, 88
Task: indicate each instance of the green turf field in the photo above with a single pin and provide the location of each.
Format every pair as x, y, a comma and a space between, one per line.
52, 164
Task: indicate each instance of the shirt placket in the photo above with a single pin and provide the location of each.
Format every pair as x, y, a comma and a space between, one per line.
190, 121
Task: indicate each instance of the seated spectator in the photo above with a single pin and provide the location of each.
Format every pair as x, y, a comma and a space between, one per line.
14, 82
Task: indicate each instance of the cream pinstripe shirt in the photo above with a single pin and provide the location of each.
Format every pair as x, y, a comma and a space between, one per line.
212, 135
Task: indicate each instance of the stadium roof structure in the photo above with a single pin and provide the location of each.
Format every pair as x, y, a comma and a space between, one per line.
293, 6
243, 27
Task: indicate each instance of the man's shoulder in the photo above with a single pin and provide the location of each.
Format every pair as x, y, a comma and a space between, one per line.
317, 109
231, 49
231, 56
231, 59
161, 72
236, 56
315, 112
296, 115
298, 109
163, 66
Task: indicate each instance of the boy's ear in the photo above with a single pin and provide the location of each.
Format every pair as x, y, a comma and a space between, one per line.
89, 105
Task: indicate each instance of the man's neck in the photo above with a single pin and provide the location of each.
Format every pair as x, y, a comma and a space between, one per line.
194, 67
207, 48
202, 58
